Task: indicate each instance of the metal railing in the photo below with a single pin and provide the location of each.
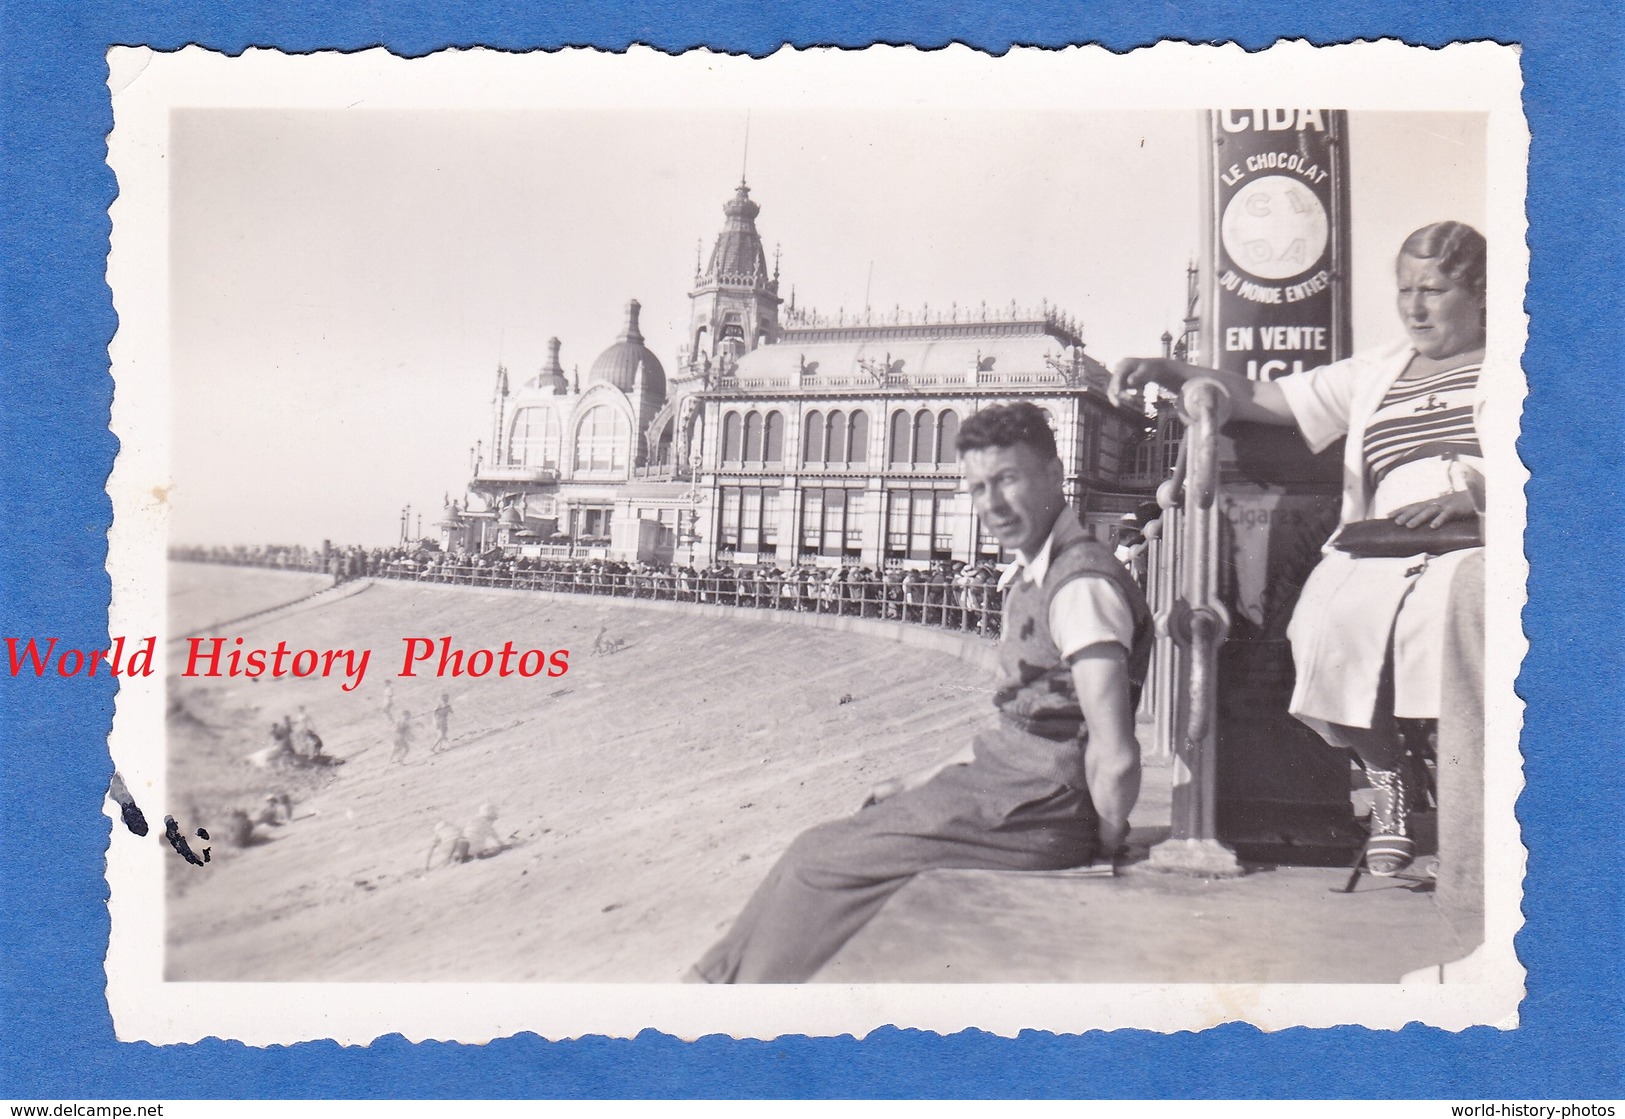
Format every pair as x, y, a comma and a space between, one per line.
974, 608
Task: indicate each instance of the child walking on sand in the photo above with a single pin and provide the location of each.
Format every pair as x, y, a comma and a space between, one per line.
403, 738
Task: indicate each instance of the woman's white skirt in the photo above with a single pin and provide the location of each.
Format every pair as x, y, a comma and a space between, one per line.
1341, 630
1353, 610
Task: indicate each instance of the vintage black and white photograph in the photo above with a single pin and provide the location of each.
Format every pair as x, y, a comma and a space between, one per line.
798, 544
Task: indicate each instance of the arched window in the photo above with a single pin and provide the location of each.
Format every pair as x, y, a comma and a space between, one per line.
924, 429
663, 447
753, 437
858, 443
602, 440
947, 432
733, 444
812, 444
696, 436
897, 446
535, 438
773, 438
836, 449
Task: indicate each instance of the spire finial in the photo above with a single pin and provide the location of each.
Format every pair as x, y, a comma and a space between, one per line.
631, 333
744, 162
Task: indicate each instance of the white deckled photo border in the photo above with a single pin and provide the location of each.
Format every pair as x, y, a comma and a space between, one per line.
1480, 78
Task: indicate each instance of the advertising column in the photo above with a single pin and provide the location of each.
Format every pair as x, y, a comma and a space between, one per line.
1277, 276
1280, 240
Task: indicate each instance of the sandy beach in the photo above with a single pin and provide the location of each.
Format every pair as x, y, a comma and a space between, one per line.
645, 792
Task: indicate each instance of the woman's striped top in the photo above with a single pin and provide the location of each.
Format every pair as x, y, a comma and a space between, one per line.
1428, 417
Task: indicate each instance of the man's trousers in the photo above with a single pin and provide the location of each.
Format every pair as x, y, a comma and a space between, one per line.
834, 878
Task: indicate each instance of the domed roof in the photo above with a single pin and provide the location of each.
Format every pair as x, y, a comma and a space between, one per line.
619, 365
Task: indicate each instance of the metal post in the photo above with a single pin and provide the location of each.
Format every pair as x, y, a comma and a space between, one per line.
1196, 623
1154, 696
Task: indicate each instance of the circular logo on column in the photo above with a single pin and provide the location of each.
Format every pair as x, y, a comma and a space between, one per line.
1275, 227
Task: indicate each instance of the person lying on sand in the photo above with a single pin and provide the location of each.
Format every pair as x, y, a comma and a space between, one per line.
239, 828
448, 838
481, 834
478, 839
277, 810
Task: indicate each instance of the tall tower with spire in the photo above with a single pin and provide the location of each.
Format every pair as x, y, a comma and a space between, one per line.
734, 304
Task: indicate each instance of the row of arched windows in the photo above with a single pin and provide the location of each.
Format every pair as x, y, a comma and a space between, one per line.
835, 439
753, 437
601, 442
922, 438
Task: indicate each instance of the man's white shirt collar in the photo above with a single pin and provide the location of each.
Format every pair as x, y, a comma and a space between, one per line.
1038, 567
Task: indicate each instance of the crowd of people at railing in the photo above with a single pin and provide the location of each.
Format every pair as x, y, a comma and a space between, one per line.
951, 595
342, 563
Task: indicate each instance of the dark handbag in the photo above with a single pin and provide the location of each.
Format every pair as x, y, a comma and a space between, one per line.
1383, 537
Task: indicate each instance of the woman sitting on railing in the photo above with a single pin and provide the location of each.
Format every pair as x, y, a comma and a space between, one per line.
1367, 631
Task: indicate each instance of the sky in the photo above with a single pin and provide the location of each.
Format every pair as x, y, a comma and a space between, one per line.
344, 283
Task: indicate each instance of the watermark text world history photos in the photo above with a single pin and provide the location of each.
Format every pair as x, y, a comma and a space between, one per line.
212, 657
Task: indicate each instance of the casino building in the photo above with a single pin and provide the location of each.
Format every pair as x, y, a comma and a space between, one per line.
784, 436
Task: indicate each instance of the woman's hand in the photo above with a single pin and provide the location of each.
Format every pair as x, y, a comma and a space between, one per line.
1253, 401
1134, 373
1436, 512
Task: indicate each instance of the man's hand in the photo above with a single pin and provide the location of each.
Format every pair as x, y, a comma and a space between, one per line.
890, 787
1436, 512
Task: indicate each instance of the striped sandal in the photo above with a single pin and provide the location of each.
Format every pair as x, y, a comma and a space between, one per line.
1390, 848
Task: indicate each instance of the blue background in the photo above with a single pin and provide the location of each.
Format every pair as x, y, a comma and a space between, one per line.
56, 318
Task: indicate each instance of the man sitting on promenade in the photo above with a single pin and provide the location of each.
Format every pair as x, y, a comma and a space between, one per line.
1050, 785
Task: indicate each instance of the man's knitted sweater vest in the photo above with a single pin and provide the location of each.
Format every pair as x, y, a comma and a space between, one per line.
1042, 727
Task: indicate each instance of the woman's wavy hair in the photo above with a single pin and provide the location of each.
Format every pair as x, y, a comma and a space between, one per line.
1458, 248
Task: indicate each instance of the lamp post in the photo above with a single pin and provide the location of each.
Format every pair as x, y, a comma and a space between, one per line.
692, 499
